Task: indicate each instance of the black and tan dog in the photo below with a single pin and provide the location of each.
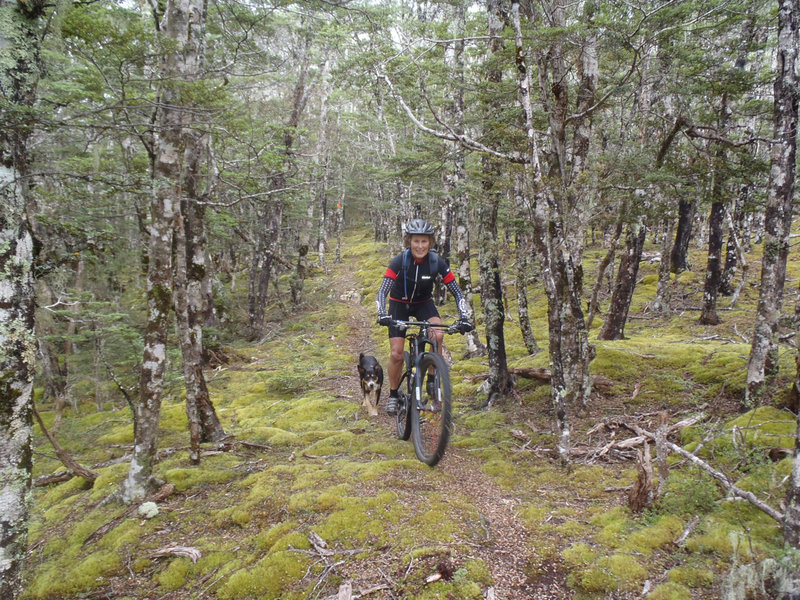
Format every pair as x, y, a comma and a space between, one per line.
371, 374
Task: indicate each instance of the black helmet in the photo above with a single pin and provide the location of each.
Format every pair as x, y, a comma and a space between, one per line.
419, 227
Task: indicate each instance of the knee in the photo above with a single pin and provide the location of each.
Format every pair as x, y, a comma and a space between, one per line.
396, 354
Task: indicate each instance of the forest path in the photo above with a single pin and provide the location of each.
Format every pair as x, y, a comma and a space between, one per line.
507, 546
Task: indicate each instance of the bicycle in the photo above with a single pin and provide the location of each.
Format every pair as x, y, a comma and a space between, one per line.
424, 413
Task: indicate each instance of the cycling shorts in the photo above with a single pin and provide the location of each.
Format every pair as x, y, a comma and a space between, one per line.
401, 311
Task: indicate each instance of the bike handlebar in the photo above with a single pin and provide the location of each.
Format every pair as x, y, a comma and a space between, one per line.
450, 328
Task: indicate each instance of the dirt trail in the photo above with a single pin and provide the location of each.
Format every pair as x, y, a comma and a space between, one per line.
507, 547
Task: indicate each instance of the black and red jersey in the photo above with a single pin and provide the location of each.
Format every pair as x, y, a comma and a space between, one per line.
413, 279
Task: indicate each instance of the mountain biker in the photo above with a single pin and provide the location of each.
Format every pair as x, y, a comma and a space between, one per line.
408, 282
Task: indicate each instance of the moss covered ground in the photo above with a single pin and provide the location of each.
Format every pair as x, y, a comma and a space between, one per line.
321, 494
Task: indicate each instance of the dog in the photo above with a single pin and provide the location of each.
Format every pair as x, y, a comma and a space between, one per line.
371, 374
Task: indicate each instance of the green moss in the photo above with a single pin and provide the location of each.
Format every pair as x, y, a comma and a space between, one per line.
184, 479
174, 576
357, 519
126, 533
691, 576
533, 514
670, 591
615, 525
59, 492
766, 427
618, 572
64, 577
579, 554
108, 481
267, 539
269, 578
664, 532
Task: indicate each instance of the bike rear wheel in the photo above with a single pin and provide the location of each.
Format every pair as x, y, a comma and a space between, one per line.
431, 414
402, 417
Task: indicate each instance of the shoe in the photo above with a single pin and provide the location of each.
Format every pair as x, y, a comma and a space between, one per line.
430, 387
391, 405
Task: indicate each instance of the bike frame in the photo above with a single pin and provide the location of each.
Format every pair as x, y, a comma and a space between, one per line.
416, 345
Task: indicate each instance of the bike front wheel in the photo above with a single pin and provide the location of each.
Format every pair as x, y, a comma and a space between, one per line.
402, 417
431, 409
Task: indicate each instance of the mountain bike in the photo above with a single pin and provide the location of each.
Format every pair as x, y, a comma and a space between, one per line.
424, 410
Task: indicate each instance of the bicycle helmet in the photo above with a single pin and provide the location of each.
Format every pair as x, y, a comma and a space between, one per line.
419, 227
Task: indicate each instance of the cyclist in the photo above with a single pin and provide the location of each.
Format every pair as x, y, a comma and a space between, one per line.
408, 282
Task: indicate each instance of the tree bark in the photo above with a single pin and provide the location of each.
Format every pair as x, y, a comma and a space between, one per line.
178, 29
19, 76
679, 258
614, 325
488, 257
716, 220
560, 219
460, 238
523, 275
709, 316
594, 304
778, 213
661, 302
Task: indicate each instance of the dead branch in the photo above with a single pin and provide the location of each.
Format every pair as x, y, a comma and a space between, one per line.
633, 442
719, 476
73, 467
188, 551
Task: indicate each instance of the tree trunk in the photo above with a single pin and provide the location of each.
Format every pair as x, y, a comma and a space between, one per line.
716, 221
778, 213
679, 258
735, 225
523, 274
460, 238
661, 303
709, 316
594, 304
19, 76
488, 256
614, 325
179, 26
559, 222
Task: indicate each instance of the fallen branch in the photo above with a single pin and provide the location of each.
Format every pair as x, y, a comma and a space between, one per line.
633, 442
718, 475
188, 551
73, 467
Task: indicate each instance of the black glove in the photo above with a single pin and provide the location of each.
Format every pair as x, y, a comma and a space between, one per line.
464, 326
385, 320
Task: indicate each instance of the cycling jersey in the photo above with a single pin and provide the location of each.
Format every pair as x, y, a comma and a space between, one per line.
413, 279
409, 281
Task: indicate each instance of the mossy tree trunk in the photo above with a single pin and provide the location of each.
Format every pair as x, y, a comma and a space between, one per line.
614, 325
488, 245
679, 257
178, 30
460, 240
716, 220
20, 40
560, 208
762, 362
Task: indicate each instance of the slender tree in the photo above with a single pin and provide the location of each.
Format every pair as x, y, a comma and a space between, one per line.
180, 26
763, 359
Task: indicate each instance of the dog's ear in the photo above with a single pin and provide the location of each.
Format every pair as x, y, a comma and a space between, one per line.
360, 356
